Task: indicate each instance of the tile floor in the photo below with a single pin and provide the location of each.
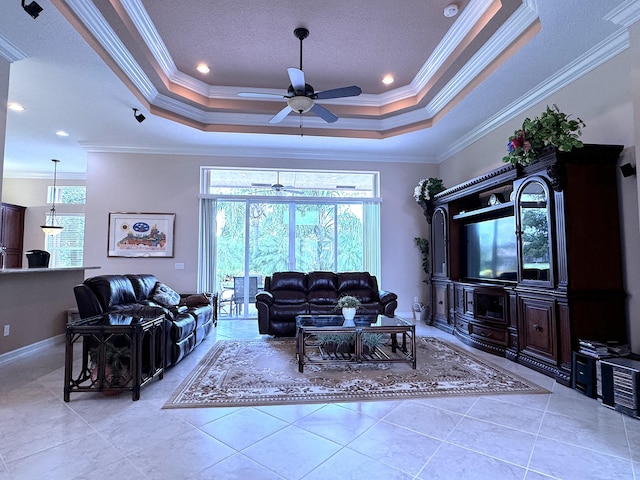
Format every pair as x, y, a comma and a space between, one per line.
562, 435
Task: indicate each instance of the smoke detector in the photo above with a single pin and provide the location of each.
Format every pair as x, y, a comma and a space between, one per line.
451, 10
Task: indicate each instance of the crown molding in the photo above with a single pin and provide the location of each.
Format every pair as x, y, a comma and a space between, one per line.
626, 14
519, 22
97, 25
10, 52
262, 152
593, 58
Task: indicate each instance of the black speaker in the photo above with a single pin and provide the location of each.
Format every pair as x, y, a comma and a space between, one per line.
621, 385
627, 170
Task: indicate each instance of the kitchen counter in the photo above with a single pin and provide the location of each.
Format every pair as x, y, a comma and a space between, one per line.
9, 271
33, 306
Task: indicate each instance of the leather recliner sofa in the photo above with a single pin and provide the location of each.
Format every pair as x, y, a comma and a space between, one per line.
186, 324
288, 294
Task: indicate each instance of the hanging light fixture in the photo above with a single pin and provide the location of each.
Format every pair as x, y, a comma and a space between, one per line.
51, 226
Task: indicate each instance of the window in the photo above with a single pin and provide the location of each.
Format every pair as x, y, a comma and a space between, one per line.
67, 247
257, 221
68, 195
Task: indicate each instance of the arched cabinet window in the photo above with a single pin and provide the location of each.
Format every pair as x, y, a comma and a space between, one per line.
439, 243
533, 206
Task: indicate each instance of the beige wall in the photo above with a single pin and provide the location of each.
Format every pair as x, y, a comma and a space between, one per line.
170, 183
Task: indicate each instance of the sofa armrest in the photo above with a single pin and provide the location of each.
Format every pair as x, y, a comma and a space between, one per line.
264, 297
88, 303
386, 297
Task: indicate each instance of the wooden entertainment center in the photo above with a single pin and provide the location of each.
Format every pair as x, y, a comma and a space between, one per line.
527, 260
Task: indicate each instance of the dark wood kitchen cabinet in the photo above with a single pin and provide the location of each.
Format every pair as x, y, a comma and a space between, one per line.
12, 233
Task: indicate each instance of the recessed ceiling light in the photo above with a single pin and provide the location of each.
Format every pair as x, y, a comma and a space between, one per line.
203, 68
62, 133
451, 10
388, 79
16, 107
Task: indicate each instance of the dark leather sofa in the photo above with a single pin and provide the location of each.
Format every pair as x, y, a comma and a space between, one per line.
186, 324
288, 294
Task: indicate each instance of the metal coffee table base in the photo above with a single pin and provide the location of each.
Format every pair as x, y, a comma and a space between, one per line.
310, 350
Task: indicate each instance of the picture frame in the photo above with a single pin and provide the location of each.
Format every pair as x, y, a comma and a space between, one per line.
141, 234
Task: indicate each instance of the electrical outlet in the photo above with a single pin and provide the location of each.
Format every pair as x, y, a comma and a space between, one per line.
415, 299
7, 329
179, 266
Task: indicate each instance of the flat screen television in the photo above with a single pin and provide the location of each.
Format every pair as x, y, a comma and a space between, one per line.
489, 250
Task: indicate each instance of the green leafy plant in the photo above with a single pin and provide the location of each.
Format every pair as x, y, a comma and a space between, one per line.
423, 246
552, 128
117, 360
427, 188
372, 340
337, 342
348, 301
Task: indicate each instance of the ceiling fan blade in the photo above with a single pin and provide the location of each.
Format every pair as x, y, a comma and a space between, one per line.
352, 91
297, 79
278, 117
259, 95
263, 185
323, 113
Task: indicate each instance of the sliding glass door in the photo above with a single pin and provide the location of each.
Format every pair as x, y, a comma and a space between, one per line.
257, 238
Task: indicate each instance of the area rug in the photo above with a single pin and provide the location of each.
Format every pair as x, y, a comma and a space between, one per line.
265, 372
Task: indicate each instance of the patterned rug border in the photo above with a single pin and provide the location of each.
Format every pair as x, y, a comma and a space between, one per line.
174, 401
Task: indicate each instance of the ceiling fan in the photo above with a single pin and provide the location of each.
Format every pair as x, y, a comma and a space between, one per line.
277, 187
301, 96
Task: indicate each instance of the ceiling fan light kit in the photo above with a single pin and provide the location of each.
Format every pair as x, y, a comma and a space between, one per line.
300, 103
301, 96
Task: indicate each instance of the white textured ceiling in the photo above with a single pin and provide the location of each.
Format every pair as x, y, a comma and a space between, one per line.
82, 68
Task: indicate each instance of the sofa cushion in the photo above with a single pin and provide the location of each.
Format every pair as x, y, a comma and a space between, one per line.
111, 290
323, 288
165, 295
289, 288
293, 281
143, 285
183, 325
358, 284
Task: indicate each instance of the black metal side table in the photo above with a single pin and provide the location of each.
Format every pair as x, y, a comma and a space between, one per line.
119, 353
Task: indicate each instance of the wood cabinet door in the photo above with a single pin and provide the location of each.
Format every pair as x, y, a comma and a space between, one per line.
538, 330
12, 233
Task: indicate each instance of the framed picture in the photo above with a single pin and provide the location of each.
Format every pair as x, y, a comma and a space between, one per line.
141, 234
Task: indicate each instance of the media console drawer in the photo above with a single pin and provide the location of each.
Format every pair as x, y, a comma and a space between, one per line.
489, 334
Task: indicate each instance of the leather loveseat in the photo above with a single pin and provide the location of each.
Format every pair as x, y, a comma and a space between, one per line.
288, 294
189, 318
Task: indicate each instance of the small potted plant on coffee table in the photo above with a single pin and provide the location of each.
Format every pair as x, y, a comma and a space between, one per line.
348, 304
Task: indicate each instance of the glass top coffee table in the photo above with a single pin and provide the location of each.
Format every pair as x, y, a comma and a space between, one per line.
325, 339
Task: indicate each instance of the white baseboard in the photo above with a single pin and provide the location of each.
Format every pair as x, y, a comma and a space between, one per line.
34, 347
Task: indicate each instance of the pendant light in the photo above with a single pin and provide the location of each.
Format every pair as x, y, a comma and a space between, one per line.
51, 226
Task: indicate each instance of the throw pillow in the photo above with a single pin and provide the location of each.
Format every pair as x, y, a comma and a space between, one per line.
165, 295
195, 300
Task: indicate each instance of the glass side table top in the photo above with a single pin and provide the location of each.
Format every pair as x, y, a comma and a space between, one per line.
111, 319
